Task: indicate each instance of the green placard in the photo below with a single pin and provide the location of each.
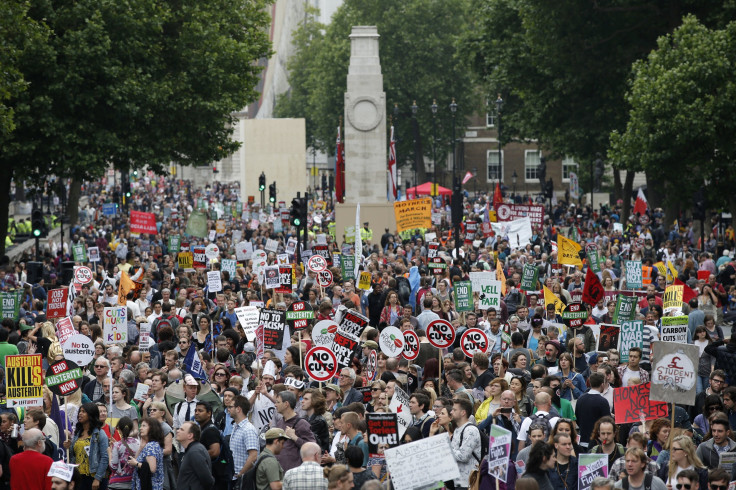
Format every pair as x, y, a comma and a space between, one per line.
594, 259
79, 251
463, 296
197, 224
174, 244
633, 273
631, 335
238, 209
11, 304
347, 264
625, 309
529, 278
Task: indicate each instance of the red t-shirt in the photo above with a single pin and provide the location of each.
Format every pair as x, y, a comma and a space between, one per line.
29, 469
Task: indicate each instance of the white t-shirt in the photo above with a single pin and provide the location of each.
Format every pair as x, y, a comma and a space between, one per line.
262, 411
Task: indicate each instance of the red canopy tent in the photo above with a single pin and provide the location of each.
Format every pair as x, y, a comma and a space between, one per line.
426, 190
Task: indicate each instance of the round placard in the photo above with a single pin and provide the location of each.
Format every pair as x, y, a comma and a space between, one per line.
317, 263
212, 251
391, 341
321, 364
79, 349
411, 345
371, 366
474, 340
324, 278
82, 275
323, 333
64, 377
440, 333
574, 315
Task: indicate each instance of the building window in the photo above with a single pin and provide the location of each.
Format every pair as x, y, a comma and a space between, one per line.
491, 114
568, 165
531, 165
495, 167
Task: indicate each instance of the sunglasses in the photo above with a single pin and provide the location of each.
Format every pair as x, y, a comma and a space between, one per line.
98, 366
375, 389
686, 486
220, 374
713, 487
183, 343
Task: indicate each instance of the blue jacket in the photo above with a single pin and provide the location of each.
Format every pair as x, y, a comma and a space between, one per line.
98, 459
578, 382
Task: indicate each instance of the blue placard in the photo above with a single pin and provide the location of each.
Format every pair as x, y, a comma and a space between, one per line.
109, 209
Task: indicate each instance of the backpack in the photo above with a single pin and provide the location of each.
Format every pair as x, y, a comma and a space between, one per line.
484, 443
248, 482
224, 467
163, 322
648, 477
542, 420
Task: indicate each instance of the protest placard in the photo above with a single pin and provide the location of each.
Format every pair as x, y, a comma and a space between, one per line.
320, 364
590, 467
391, 341
608, 338
144, 339
248, 317
529, 278
344, 345
115, 325
674, 329
64, 329
24, 380
200, 257
56, 307
631, 335
518, 232
400, 406
499, 452
353, 322
274, 324
272, 245
672, 300
79, 252
383, 432
141, 222
285, 285
463, 295
186, 261
633, 274
79, 349
229, 266
625, 309
347, 266
674, 372
94, 254
726, 461
629, 402
214, 283
364, 282
64, 377
174, 244
408, 463
490, 294
511, 212
594, 258
243, 251
272, 277
413, 214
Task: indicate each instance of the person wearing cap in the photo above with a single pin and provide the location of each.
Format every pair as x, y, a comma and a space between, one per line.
59, 483
195, 470
262, 399
333, 397
368, 346
184, 410
269, 473
552, 351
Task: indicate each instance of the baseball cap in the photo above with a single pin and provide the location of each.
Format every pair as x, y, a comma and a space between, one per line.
370, 344
334, 387
272, 434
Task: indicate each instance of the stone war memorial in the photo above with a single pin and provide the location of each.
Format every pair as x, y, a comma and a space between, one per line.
366, 143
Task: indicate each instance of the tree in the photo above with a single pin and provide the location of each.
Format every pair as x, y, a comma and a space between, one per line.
562, 67
683, 115
136, 83
419, 61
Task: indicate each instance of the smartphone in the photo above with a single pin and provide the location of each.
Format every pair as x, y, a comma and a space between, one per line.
506, 410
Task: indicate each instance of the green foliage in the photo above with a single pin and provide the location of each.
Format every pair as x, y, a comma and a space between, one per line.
419, 61
683, 106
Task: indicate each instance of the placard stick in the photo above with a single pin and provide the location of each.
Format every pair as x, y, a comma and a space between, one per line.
66, 424
672, 426
301, 362
439, 378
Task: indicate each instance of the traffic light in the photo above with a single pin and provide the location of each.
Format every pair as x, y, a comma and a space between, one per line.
549, 189
37, 224
295, 214
135, 173
262, 182
272, 192
126, 189
699, 204
214, 170
457, 203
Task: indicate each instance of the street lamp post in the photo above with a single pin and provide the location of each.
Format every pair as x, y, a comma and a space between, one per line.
396, 140
499, 104
434, 145
414, 109
453, 111
456, 190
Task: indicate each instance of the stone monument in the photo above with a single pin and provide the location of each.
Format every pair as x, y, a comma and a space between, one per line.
366, 150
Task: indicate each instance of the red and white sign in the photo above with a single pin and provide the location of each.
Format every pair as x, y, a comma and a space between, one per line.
391, 341
141, 222
321, 364
64, 329
510, 212
82, 275
324, 278
317, 263
200, 258
411, 345
57, 303
440, 333
474, 340
371, 366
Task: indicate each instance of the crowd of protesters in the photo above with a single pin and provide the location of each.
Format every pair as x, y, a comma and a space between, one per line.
259, 421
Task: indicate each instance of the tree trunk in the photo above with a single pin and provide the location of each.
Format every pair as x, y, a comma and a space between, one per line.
4, 208
628, 189
617, 189
72, 207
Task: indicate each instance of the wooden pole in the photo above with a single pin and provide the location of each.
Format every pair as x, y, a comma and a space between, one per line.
301, 363
439, 377
66, 424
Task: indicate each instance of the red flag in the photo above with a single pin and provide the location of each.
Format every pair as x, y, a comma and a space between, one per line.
592, 289
687, 292
640, 206
339, 169
468, 176
497, 197
392, 166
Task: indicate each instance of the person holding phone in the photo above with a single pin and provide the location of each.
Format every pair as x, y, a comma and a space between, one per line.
507, 416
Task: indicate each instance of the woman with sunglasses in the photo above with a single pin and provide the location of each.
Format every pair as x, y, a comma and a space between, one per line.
713, 403
377, 387
221, 378
683, 457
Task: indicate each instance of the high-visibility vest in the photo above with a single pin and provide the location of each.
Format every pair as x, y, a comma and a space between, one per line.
646, 274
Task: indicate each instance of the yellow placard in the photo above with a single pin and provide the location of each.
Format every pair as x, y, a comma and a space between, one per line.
365, 281
671, 272
567, 251
500, 276
24, 374
186, 260
220, 226
661, 268
673, 297
413, 214
551, 298
126, 285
